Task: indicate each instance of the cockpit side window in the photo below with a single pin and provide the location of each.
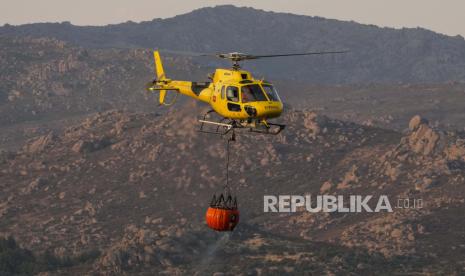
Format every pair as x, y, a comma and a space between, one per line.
232, 94
252, 93
271, 93
246, 94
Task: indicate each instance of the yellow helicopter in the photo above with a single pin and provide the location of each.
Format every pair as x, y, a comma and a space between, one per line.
234, 94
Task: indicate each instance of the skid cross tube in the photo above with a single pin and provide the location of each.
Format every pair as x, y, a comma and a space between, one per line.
228, 126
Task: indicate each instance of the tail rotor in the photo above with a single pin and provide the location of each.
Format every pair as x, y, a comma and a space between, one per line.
160, 83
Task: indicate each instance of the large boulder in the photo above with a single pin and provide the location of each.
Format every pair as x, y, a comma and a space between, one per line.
423, 139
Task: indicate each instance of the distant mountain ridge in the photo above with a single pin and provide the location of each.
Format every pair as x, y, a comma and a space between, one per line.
379, 55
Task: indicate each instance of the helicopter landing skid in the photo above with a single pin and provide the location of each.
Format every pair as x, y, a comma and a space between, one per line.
221, 128
268, 128
225, 125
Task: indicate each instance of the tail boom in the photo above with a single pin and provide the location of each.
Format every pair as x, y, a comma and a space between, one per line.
163, 84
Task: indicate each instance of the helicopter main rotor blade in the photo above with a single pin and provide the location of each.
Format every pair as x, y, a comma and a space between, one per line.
295, 54
242, 56
236, 57
186, 53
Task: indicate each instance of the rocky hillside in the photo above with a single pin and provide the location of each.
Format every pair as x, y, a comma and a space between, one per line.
377, 54
46, 79
386, 106
135, 187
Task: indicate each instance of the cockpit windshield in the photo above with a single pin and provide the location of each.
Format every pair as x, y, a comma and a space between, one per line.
252, 93
271, 93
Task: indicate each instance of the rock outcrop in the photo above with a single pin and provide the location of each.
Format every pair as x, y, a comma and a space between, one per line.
39, 144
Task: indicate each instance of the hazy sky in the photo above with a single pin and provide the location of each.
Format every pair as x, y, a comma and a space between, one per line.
445, 16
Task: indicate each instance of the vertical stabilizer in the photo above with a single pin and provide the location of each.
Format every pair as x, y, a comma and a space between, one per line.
160, 73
